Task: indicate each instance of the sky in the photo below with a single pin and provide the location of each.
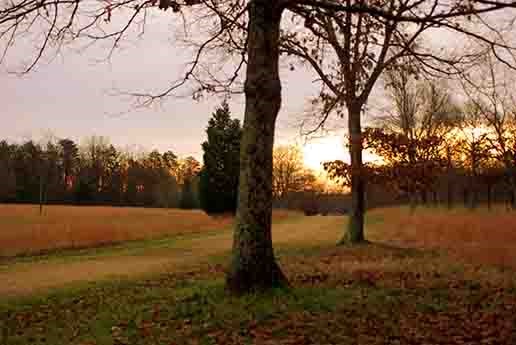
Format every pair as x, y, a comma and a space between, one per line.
74, 96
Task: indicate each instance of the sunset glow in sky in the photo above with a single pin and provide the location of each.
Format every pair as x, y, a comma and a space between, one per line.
74, 96
318, 151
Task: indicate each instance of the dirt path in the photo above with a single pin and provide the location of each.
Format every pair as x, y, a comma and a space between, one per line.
29, 277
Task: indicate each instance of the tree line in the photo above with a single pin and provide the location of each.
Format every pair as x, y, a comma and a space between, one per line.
95, 173
434, 149
60, 171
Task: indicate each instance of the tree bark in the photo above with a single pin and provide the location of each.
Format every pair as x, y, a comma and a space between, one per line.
253, 266
355, 231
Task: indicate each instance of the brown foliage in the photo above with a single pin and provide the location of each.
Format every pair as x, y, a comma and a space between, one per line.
408, 165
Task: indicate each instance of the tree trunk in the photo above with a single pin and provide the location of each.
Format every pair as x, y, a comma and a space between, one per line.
489, 193
413, 203
449, 195
253, 265
473, 196
355, 231
424, 199
412, 197
449, 185
40, 194
435, 198
507, 200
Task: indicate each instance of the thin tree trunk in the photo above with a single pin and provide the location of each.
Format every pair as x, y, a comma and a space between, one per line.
449, 195
413, 203
412, 197
449, 185
253, 265
424, 199
355, 231
489, 200
473, 195
508, 195
40, 194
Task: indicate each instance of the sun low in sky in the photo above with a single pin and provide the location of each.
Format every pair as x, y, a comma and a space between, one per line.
329, 148
319, 150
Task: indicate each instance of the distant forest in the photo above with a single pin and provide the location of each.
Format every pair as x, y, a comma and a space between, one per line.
96, 173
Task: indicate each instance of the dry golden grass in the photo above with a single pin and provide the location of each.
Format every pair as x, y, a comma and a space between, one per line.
26, 277
24, 231
478, 236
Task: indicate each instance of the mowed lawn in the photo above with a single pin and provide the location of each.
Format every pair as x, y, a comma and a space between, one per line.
418, 282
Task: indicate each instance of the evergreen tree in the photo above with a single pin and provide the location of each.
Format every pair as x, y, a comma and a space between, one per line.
188, 200
218, 184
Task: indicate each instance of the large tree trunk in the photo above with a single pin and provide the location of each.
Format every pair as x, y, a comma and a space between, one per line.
355, 231
253, 265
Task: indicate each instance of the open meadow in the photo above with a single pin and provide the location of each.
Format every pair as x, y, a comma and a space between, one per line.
24, 231
432, 277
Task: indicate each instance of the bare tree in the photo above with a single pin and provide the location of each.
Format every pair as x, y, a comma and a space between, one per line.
366, 37
287, 170
405, 94
422, 110
350, 49
489, 90
473, 149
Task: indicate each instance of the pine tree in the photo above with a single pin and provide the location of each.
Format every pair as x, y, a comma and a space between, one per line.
187, 201
219, 176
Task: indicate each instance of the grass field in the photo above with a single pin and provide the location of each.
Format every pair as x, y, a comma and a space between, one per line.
23, 230
479, 236
418, 282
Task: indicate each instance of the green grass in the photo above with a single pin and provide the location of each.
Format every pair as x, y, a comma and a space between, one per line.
371, 294
171, 312
412, 302
174, 310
